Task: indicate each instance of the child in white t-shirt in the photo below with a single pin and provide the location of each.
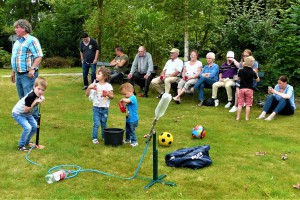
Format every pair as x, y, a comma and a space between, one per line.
100, 94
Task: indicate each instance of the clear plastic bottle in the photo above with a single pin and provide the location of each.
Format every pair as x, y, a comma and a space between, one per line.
56, 176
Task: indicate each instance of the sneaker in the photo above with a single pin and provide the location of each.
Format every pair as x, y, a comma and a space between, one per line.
160, 95
95, 141
228, 104
23, 149
233, 109
216, 102
200, 103
192, 90
31, 144
126, 141
134, 144
145, 95
84, 87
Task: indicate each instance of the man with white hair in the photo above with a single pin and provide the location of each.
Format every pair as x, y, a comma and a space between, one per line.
208, 76
170, 74
141, 69
226, 73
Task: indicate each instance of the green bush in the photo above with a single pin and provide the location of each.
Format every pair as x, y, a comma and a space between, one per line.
4, 57
58, 62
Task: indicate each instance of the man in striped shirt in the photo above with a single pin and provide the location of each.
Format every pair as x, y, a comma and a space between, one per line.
26, 56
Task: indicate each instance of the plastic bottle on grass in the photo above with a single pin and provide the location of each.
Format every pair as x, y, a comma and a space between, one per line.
56, 176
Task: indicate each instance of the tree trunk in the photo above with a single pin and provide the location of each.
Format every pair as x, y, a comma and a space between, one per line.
186, 46
100, 10
186, 33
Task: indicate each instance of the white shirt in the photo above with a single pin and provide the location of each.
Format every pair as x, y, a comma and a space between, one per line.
96, 95
191, 70
173, 66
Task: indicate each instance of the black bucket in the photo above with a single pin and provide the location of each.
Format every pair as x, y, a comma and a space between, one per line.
113, 136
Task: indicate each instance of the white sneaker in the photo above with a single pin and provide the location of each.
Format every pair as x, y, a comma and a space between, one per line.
134, 144
126, 141
233, 109
95, 141
216, 102
228, 104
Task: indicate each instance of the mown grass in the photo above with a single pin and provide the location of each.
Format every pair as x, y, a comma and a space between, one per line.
236, 172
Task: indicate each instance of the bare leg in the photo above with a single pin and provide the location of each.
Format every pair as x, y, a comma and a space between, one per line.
181, 92
238, 113
262, 115
236, 96
271, 116
247, 112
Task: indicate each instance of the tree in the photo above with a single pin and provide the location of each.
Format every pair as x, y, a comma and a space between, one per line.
59, 30
249, 26
285, 49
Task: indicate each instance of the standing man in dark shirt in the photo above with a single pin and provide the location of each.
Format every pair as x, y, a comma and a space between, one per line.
89, 52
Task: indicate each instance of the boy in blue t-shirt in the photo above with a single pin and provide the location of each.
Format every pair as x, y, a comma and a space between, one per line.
132, 117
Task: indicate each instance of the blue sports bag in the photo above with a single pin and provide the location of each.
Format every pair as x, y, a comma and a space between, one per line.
194, 158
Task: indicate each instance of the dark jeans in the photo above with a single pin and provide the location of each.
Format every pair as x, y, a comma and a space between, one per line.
115, 75
139, 79
130, 131
85, 72
201, 84
282, 107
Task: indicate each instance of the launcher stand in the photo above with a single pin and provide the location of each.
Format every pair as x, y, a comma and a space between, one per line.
156, 178
37, 146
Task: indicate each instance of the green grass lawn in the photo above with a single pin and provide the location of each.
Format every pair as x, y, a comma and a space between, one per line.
236, 172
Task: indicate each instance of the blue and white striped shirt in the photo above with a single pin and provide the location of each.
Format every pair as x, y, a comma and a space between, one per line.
24, 51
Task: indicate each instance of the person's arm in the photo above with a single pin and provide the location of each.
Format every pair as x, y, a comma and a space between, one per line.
256, 77
174, 74
81, 57
34, 103
183, 71
214, 71
96, 57
150, 64
283, 95
121, 64
199, 70
221, 76
91, 86
125, 100
113, 62
110, 94
35, 64
236, 63
13, 76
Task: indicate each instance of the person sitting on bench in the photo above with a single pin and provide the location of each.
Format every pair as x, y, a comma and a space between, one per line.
190, 75
226, 73
170, 74
208, 76
120, 63
141, 69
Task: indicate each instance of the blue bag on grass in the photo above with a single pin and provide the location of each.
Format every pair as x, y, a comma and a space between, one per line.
195, 157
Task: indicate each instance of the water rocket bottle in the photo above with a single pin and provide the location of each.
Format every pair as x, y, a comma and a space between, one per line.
56, 176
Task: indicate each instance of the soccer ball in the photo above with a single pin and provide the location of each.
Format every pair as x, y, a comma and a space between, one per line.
198, 132
165, 139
